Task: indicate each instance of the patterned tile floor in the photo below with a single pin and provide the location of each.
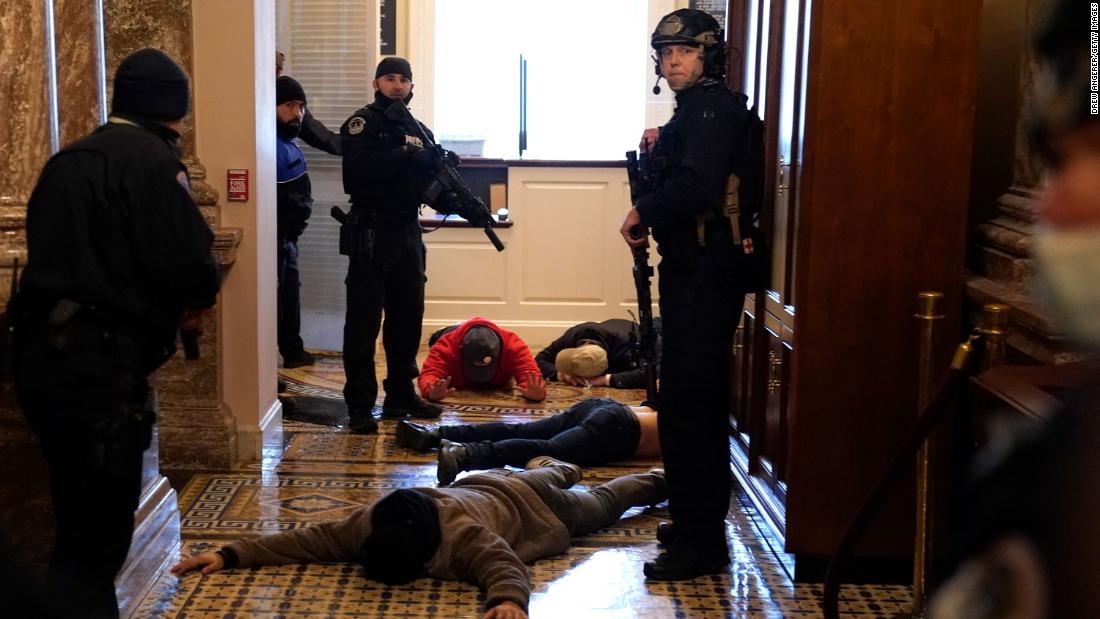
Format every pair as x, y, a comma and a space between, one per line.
324, 473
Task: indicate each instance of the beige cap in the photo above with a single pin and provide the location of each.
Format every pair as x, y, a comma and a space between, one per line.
584, 361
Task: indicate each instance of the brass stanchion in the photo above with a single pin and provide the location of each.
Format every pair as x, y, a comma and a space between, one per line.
993, 327
928, 314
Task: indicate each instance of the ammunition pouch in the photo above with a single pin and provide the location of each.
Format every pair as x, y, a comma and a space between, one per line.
745, 263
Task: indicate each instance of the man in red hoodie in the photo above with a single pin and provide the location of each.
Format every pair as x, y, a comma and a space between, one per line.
480, 354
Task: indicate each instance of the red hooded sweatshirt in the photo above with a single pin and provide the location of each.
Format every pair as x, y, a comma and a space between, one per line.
445, 359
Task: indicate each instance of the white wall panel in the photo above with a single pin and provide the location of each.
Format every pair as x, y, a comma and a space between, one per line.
563, 252
565, 261
465, 271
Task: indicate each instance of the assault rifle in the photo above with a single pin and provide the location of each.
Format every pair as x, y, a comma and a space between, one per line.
640, 182
447, 182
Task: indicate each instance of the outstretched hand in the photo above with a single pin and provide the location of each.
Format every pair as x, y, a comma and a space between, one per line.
536, 387
440, 389
506, 610
208, 562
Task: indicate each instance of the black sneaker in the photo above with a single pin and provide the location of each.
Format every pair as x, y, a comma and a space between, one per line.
301, 359
452, 461
678, 563
415, 436
410, 406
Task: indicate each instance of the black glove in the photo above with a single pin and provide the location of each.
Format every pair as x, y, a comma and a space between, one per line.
425, 161
448, 203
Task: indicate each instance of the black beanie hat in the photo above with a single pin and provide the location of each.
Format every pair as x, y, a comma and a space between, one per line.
288, 89
148, 83
404, 536
393, 64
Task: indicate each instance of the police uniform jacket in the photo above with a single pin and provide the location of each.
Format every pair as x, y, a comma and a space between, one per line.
378, 151
294, 200
111, 226
696, 152
317, 135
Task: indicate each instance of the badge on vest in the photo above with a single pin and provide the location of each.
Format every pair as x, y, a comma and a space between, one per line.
356, 125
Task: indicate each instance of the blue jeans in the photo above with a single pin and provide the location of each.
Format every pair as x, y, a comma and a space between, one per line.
592, 432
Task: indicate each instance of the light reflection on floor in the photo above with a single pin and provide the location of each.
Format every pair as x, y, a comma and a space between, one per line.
326, 472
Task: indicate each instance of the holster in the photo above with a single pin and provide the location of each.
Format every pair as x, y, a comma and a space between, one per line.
117, 439
357, 235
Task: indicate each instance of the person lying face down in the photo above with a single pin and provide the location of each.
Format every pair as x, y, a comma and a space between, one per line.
480, 354
592, 432
597, 354
482, 530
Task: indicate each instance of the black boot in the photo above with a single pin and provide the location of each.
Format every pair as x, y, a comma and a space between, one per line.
416, 437
365, 425
362, 421
298, 359
453, 459
684, 563
409, 405
666, 533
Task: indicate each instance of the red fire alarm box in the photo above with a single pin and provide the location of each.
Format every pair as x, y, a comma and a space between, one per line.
236, 185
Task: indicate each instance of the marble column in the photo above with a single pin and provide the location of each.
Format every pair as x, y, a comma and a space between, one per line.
1001, 246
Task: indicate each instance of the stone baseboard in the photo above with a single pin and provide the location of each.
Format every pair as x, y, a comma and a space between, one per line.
156, 536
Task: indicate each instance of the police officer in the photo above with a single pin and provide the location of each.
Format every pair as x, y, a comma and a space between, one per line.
294, 205
119, 260
701, 290
386, 170
313, 132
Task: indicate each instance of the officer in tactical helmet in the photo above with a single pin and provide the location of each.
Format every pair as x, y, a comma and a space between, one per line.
700, 203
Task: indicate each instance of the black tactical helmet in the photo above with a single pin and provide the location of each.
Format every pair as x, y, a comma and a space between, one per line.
693, 27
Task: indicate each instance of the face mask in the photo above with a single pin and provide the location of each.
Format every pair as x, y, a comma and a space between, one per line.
288, 131
1068, 265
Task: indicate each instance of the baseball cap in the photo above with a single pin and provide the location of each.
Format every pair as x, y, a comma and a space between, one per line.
480, 353
586, 361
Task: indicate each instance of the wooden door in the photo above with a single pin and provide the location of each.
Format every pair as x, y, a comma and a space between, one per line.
774, 74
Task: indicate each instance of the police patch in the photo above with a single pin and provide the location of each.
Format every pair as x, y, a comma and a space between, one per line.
356, 125
184, 182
